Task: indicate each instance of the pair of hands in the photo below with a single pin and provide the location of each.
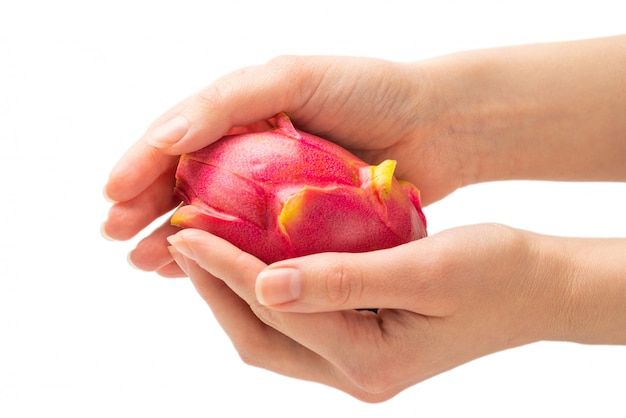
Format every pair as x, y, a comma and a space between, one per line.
443, 300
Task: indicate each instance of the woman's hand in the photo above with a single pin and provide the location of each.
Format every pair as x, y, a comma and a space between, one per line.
442, 301
523, 112
376, 109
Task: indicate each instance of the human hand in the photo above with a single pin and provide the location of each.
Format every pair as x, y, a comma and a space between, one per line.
509, 113
443, 301
374, 108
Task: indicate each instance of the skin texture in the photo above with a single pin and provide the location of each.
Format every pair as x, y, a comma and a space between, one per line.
550, 111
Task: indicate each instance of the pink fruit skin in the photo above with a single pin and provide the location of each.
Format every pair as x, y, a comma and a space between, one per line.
284, 193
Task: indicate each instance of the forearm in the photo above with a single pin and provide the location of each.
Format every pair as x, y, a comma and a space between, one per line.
551, 111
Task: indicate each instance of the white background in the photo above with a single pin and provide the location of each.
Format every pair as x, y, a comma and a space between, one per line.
82, 334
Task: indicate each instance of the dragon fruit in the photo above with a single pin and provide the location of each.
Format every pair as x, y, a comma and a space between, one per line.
284, 193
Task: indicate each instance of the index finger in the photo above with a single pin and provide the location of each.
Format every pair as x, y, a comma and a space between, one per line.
138, 168
238, 99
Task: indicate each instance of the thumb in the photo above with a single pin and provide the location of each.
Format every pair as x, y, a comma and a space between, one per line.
238, 99
341, 281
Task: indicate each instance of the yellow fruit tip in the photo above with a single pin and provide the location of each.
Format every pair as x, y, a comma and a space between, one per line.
291, 209
180, 217
382, 176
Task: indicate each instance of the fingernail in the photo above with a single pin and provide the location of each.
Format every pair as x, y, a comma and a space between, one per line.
278, 286
104, 234
168, 133
106, 196
180, 245
179, 258
129, 260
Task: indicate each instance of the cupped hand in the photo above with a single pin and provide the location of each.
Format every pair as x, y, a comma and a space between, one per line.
376, 109
442, 301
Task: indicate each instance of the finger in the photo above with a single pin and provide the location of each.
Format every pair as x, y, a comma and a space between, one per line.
235, 267
347, 339
138, 168
151, 253
141, 164
258, 344
375, 351
221, 259
171, 270
127, 218
238, 99
403, 277
231, 311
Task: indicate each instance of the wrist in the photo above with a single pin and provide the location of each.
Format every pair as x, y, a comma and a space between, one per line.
544, 111
586, 283
494, 110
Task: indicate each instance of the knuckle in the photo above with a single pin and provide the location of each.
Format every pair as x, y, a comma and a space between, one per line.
252, 351
248, 357
285, 62
302, 74
254, 356
256, 350
344, 285
376, 379
269, 317
212, 95
221, 89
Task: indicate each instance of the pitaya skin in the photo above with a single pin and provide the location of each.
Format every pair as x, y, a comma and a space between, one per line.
284, 193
